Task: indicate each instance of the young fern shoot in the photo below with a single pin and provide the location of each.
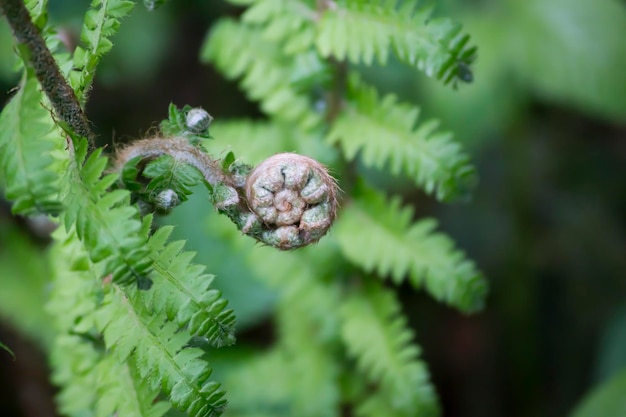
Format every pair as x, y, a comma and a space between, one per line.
137, 321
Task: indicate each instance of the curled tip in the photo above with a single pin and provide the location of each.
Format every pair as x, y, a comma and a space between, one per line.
295, 198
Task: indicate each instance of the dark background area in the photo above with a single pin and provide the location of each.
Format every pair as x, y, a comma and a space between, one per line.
546, 223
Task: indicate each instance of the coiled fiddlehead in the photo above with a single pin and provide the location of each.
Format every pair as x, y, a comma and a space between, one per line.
295, 198
287, 201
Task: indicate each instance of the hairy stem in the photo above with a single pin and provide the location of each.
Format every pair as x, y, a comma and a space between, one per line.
40, 59
181, 150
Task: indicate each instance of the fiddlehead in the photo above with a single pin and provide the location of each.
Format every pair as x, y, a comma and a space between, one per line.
288, 201
295, 198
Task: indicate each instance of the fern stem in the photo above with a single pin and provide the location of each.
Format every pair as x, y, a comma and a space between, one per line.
40, 59
182, 151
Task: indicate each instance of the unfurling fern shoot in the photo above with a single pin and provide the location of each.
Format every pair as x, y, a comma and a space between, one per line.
137, 322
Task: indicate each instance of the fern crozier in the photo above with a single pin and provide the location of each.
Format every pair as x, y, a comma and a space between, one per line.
295, 198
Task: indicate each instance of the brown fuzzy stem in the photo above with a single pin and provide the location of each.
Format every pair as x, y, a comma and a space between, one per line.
39, 58
182, 151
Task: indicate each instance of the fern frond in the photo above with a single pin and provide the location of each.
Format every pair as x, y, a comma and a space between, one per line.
182, 291
267, 75
38, 10
123, 392
101, 21
363, 30
30, 152
159, 348
309, 343
402, 249
385, 132
93, 382
289, 22
376, 335
74, 364
105, 221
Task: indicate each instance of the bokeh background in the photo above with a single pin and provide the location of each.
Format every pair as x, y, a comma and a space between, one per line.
545, 124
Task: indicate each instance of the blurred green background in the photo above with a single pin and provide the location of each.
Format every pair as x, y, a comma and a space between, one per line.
545, 123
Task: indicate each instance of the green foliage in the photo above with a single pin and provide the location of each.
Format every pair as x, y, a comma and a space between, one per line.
267, 75
104, 221
385, 132
376, 335
403, 249
188, 300
137, 323
101, 21
310, 109
77, 354
29, 152
362, 31
162, 356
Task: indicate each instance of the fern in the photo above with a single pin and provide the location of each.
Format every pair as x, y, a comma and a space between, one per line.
101, 22
124, 392
385, 132
376, 335
30, 146
105, 222
428, 259
182, 291
161, 353
77, 353
342, 343
290, 22
362, 31
266, 73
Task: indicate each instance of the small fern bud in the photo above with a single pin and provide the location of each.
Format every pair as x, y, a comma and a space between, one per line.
198, 120
295, 197
166, 200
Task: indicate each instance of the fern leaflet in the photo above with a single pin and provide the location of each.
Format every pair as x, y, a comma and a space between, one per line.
402, 249
289, 22
105, 221
101, 21
363, 30
124, 392
160, 351
93, 382
376, 335
384, 132
30, 151
182, 291
267, 75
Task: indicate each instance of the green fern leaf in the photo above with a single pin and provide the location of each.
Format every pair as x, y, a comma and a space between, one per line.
182, 290
101, 21
160, 351
267, 74
376, 335
385, 132
105, 221
403, 249
361, 31
31, 152
122, 391
93, 382
288, 22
